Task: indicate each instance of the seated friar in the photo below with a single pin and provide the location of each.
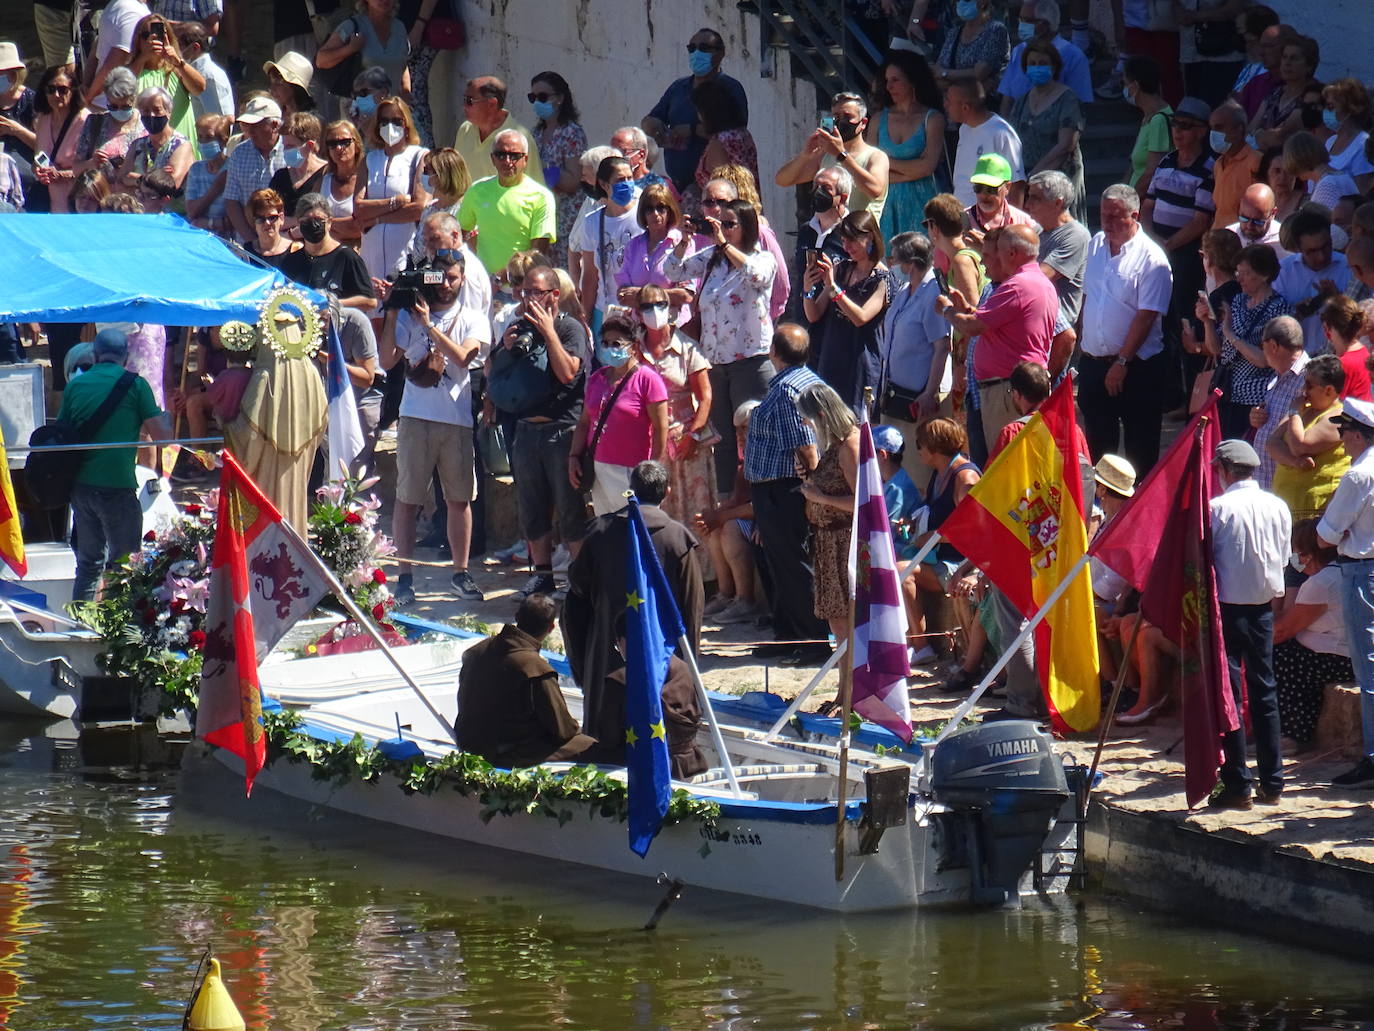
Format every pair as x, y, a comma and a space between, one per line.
510, 710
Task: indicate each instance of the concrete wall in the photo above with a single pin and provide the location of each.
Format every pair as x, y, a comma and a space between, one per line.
1342, 27
618, 56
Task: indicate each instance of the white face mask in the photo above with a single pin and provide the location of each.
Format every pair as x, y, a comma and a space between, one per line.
655, 317
392, 134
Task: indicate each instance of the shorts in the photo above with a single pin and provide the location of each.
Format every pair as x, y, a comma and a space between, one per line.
423, 446
543, 493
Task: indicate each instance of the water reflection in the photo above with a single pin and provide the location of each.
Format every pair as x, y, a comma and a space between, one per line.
115, 882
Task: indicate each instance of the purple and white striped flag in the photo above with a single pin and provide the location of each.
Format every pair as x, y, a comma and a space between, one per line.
880, 651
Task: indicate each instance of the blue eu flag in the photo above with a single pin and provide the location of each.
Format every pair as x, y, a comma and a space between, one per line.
652, 628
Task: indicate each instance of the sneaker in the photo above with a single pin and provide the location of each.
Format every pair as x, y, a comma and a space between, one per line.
740, 612
1230, 798
404, 593
507, 556
1263, 797
465, 587
719, 603
562, 557
1360, 776
538, 583
920, 656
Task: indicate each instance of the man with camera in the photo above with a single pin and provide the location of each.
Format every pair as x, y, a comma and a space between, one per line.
537, 375
438, 337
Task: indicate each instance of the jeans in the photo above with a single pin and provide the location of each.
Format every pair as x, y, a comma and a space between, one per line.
1134, 414
1357, 602
1248, 631
732, 384
109, 525
780, 515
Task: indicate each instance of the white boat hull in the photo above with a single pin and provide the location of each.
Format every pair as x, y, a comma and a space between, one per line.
41, 672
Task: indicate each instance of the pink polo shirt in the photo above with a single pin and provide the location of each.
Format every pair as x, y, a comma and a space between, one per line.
1019, 316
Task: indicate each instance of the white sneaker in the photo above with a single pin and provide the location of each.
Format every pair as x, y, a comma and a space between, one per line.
507, 556
561, 558
719, 603
920, 656
740, 612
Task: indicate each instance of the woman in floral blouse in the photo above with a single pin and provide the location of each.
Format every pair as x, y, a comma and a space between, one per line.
561, 143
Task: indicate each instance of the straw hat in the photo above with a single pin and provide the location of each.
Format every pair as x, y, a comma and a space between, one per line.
293, 67
1116, 474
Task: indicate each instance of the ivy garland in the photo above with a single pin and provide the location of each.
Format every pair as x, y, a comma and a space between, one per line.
504, 792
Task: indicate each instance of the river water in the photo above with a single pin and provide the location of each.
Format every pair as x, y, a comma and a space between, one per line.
114, 879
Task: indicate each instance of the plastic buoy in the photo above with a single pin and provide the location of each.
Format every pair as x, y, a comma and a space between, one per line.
214, 1010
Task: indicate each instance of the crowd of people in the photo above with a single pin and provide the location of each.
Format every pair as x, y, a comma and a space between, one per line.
589, 308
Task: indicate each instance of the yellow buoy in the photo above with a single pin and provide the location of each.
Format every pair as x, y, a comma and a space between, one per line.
214, 1010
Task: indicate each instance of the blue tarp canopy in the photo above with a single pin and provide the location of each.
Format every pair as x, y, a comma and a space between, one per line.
125, 268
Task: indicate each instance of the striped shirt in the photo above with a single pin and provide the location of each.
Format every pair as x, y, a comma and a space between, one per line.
1179, 193
776, 428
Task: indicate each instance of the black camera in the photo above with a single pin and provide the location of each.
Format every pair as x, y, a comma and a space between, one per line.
527, 338
416, 280
700, 225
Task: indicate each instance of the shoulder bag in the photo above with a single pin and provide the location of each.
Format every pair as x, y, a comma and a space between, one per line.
587, 459
50, 475
339, 79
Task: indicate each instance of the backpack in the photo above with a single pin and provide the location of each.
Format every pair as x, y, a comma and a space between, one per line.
52, 474
518, 382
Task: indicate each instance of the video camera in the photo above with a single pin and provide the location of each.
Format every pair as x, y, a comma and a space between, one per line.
411, 281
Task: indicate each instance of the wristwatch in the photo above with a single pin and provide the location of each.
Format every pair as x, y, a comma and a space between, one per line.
1123, 362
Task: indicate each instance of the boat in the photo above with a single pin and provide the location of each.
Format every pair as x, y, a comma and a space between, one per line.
986, 818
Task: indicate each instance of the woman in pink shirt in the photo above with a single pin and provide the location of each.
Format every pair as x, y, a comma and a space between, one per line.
624, 418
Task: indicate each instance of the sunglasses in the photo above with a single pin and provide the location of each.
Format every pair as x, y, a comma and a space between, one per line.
57, 90
532, 97
711, 202
652, 305
615, 341
469, 101
508, 155
1257, 221
983, 188
729, 225
263, 220
702, 48
652, 208
339, 144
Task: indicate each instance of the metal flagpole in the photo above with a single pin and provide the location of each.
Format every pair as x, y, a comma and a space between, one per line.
367, 624
926, 549
1111, 705
24, 449
716, 737
801, 698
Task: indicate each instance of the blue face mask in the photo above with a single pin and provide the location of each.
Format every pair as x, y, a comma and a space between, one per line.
363, 106
623, 193
293, 157
543, 110
427, 181
1025, 30
699, 61
6, 81
612, 355
967, 10
1039, 74
211, 149
1127, 95
1330, 120
1220, 144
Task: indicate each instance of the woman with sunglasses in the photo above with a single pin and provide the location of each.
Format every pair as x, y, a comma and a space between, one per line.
847, 311
57, 132
157, 61
658, 215
561, 142
736, 277
266, 209
343, 153
388, 200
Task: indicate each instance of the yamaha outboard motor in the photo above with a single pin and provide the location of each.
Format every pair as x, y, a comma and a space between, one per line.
1004, 784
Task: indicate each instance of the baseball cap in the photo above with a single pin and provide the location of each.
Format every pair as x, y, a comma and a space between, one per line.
991, 170
1237, 452
1355, 412
888, 438
259, 108
1116, 474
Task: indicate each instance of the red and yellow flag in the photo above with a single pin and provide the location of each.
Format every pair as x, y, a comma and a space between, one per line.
11, 536
1023, 525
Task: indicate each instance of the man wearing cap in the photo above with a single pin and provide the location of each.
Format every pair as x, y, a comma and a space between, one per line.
991, 209
105, 511
1252, 536
980, 132
252, 163
1127, 284
1348, 523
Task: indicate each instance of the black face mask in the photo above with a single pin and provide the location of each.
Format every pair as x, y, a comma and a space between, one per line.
591, 191
822, 201
312, 230
156, 123
847, 130
1311, 116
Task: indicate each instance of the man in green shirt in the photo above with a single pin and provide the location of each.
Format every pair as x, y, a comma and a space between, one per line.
510, 211
106, 515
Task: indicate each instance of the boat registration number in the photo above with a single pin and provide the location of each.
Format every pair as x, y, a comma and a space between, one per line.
64, 677
725, 837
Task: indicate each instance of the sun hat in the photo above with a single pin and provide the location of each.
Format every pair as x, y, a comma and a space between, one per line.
1355, 412
9, 57
293, 67
888, 438
1116, 474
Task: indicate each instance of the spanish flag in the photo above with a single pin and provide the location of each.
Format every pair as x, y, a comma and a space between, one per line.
1023, 525
11, 537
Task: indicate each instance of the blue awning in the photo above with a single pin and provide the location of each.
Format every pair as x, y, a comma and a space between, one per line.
125, 268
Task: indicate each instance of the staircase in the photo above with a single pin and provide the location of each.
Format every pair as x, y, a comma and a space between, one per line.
1106, 144
826, 47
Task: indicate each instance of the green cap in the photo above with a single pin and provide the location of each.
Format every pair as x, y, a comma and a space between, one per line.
991, 170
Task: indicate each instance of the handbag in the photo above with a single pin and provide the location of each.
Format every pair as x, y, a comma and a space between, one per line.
587, 458
428, 371
50, 475
1216, 38
339, 79
445, 33
491, 445
1202, 387
900, 403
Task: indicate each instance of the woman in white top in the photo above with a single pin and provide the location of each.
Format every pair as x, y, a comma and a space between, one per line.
343, 152
388, 200
1307, 158
1346, 115
378, 35
736, 277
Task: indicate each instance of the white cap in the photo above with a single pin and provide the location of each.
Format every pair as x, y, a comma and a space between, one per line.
258, 109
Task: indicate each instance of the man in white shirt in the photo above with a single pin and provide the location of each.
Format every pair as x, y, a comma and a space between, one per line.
435, 429
113, 45
439, 235
218, 96
1348, 523
1127, 283
981, 132
602, 234
1252, 537
1311, 276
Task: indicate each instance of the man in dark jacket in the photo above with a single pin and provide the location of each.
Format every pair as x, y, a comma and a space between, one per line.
510, 710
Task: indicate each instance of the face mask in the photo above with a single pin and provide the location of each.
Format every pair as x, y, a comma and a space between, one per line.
1127, 95
1220, 144
121, 114
294, 157
312, 230
1025, 30
623, 193
966, 10
211, 149
655, 317
1295, 561
699, 61
6, 81
391, 134
427, 181
363, 106
1251, 142
155, 124
612, 355
822, 201
1039, 74
1330, 120
847, 130
543, 110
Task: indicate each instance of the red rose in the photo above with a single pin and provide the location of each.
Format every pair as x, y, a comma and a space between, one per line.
353, 518
378, 577
151, 535
378, 611
196, 639
193, 510
178, 606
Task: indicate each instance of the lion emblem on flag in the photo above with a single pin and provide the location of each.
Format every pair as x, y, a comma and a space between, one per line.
277, 579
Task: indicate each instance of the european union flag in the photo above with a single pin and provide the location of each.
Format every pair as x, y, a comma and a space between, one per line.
652, 628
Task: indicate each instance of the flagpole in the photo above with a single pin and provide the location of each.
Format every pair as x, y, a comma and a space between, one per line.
797, 702
1111, 705
717, 739
367, 624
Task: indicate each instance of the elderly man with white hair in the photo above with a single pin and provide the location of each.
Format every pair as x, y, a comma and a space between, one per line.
1040, 20
1063, 239
510, 211
640, 151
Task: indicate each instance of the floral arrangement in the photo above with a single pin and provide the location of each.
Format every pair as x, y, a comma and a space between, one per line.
344, 533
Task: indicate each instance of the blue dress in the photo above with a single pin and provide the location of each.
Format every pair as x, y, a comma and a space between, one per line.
906, 202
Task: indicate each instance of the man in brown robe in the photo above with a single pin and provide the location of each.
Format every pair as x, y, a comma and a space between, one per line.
510, 710
597, 579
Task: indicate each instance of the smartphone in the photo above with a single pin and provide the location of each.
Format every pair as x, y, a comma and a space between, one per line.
828, 123
700, 225
942, 282
41, 160
158, 30
1202, 296
812, 256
